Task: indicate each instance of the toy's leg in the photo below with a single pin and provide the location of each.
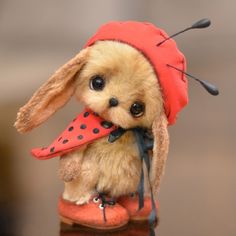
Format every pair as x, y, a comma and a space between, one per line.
81, 204
95, 214
78, 192
83, 187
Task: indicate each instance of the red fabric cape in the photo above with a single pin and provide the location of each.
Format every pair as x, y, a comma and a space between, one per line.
84, 129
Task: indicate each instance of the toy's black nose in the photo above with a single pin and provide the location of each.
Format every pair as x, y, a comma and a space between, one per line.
113, 102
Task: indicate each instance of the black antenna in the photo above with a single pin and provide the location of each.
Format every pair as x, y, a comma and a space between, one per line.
203, 23
209, 87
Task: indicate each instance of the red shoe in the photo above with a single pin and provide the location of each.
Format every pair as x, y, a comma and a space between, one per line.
131, 204
93, 214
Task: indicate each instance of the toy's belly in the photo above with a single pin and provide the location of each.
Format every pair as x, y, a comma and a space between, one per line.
119, 166
120, 177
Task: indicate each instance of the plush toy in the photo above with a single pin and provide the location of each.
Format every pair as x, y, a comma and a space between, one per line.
130, 76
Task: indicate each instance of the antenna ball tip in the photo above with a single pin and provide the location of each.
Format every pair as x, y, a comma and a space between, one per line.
203, 23
216, 92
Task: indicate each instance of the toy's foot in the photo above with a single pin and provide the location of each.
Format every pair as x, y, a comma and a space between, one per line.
131, 204
96, 214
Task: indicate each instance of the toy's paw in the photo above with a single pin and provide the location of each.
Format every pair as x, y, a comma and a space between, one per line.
67, 177
69, 169
84, 199
78, 199
65, 196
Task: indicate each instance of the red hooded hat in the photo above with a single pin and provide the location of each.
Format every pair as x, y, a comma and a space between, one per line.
88, 127
145, 37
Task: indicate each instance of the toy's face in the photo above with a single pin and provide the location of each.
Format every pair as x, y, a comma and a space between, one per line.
120, 85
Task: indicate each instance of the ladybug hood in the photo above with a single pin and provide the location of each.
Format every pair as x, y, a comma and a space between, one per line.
84, 129
145, 38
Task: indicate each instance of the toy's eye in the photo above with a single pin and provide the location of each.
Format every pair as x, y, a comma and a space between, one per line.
97, 83
137, 109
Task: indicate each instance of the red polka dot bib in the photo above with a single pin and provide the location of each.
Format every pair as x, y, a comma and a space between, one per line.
84, 129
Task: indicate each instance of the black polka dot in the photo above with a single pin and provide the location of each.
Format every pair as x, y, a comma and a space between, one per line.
59, 139
80, 137
83, 126
95, 113
106, 124
96, 130
65, 141
71, 128
86, 114
52, 149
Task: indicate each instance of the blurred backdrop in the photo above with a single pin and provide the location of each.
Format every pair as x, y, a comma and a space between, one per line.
198, 191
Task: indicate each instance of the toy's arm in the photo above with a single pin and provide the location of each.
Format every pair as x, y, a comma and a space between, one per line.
70, 165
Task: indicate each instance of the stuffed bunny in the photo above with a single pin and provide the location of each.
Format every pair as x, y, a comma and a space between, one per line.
129, 96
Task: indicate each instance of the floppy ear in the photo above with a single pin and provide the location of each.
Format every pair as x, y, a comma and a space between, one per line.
50, 96
160, 151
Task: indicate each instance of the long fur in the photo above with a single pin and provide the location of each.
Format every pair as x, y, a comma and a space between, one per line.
50, 96
160, 151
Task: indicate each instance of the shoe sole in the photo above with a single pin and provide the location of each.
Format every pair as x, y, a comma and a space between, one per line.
71, 222
139, 218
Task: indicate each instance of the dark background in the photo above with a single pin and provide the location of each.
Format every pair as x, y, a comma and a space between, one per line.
198, 191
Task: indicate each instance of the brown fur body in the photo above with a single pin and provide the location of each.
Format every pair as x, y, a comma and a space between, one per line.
101, 166
108, 168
